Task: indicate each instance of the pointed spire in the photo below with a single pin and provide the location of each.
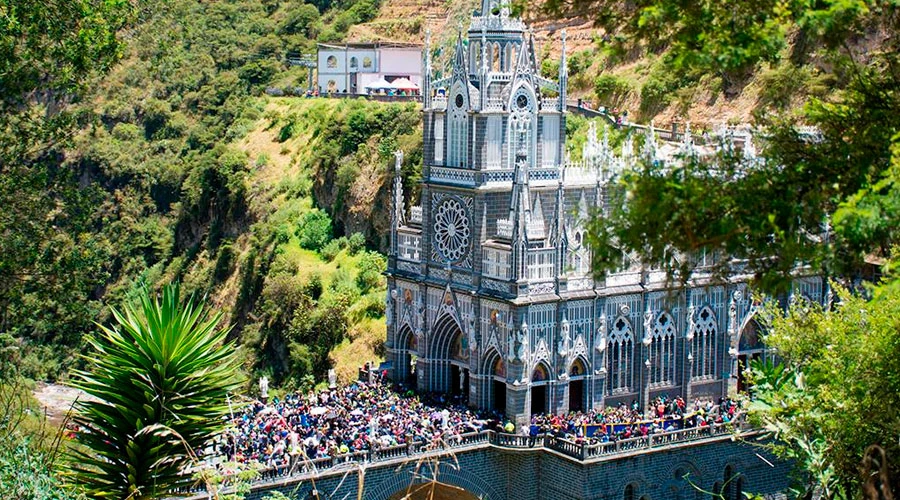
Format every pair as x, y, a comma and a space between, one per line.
426, 83
648, 151
524, 59
563, 75
460, 68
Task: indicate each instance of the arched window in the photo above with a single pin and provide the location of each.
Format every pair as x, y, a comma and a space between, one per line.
728, 485
620, 356
703, 346
331, 62
629, 492
662, 351
353, 62
457, 143
495, 60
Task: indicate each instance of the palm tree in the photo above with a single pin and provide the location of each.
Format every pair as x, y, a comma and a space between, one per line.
160, 377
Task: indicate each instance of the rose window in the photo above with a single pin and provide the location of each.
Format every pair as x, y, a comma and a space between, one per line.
451, 230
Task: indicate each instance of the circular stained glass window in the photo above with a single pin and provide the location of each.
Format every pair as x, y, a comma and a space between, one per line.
451, 230
459, 100
522, 101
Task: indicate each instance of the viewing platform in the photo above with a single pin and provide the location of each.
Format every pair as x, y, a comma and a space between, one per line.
337, 468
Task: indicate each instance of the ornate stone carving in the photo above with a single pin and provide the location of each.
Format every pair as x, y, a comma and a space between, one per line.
541, 288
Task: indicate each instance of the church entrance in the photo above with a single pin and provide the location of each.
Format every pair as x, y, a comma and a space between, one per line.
499, 392
459, 384
498, 384
539, 380
576, 395
576, 385
406, 366
750, 348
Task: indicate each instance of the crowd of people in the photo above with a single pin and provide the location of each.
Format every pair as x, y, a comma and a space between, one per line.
365, 416
342, 420
624, 422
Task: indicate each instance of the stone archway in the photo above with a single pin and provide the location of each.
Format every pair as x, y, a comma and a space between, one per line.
577, 374
749, 347
407, 355
540, 379
449, 353
494, 368
433, 491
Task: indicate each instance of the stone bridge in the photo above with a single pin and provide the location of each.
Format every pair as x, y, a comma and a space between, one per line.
495, 466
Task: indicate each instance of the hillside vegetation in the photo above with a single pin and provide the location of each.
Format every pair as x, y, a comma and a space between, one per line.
184, 170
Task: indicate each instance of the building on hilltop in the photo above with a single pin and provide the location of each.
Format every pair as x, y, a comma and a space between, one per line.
350, 68
490, 295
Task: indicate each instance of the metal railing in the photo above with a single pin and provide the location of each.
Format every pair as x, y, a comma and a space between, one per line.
475, 440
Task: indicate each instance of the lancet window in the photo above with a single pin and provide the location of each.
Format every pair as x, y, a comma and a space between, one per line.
703, 346
662, 351
620, 356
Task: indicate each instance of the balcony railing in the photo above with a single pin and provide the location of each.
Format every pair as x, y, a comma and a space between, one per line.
581, 451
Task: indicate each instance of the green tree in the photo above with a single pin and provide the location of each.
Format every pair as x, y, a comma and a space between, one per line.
826, 196
160, 375
50, 53
314, 230
830, 397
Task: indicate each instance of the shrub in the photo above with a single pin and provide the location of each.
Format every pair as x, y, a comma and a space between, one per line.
315, 230
331, 250
355, 243
371, 265
611, 89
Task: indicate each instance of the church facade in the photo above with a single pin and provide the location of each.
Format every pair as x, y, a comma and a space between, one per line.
490, 294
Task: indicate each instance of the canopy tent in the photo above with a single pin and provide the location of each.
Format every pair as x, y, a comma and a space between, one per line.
404, 84
379, 84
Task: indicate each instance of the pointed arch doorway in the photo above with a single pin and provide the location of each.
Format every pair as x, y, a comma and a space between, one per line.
450, 354
577, 373
750, 347
540, 378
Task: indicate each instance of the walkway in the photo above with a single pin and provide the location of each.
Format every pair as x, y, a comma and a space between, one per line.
418, 452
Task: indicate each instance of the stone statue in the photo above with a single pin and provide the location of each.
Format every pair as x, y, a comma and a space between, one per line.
332, 379
564, 339
264, 388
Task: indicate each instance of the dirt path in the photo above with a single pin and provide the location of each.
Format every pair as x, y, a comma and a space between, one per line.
57, 399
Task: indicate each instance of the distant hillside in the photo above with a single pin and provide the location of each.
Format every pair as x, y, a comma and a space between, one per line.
636, 78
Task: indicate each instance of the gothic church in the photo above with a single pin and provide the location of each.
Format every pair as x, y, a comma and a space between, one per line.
490, 294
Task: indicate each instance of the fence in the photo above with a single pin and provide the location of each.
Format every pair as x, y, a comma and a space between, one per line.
418, 449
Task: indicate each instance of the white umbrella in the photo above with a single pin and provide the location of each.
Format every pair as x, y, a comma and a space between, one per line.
318, 410
381, 83
357, 413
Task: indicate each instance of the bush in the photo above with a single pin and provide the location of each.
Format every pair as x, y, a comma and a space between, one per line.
315, 230
611, 90
355, 243
371, 265
331, 250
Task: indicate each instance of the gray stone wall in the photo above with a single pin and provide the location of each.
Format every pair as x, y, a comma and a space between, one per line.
533, 474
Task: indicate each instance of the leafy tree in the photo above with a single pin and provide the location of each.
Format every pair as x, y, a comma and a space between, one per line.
829, 398
827, 198
160, 375
50, 52
727, 38
314, 230
302, 19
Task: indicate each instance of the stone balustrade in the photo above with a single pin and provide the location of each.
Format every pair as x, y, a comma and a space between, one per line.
420, 450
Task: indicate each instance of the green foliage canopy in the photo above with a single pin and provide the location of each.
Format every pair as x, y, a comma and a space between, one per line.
831, 396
